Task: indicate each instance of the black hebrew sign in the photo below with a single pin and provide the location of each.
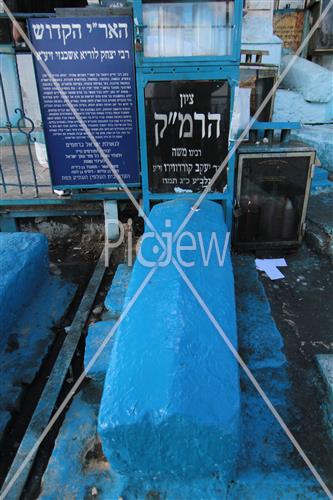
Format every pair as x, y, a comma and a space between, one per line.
92, 59
187, 134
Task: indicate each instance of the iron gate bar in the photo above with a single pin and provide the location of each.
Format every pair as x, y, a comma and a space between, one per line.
29, 140
9, 126
3, 182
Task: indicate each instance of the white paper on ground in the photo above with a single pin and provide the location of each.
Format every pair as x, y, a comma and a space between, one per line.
270, 267
262, 263
278, 262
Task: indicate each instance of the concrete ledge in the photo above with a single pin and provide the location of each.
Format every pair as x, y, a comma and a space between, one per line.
321, 180
314, 82
116, 295
319, 137
325, 365
170, 406
24, 266
290, 106
29, 341
96, 335
319, 227
77, 468
285, 484
264, 444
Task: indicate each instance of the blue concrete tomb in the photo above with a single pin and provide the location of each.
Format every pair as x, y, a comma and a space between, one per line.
171, 403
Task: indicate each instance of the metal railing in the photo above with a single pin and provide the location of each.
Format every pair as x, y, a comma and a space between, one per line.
22, 144
20, 171
18, 159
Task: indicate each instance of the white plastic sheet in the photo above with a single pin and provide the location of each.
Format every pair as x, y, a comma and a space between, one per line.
270, 267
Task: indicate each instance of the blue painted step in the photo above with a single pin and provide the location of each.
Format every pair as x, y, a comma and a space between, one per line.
116, 295
97, 333
325, 366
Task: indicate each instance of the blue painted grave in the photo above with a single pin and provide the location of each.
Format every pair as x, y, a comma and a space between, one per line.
170, 406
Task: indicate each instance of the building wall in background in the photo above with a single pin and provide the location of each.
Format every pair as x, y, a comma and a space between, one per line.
289, 4
289, 27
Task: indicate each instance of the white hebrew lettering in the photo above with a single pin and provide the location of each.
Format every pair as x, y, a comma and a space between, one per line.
158, 135
217, 118
202, 118
183, 119
186, 99
38, 31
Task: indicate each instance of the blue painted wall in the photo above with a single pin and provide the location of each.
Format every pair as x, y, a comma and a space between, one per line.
170, 406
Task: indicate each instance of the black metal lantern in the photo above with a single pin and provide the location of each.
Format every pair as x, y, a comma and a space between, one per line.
272, 191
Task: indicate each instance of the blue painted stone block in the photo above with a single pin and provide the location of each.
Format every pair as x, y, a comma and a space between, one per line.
29, 341
319, 137
97, 333
325, 365
289, 483
170, 405
320, 180
311, 80
24, 266
264, 443
115, 298
77, 469
290, 106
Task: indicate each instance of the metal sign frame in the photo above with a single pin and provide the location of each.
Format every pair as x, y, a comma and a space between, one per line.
142, 80
154, 69
135, 135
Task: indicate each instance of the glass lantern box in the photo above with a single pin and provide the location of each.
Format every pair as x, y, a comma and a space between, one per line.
186, 29
205, 28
